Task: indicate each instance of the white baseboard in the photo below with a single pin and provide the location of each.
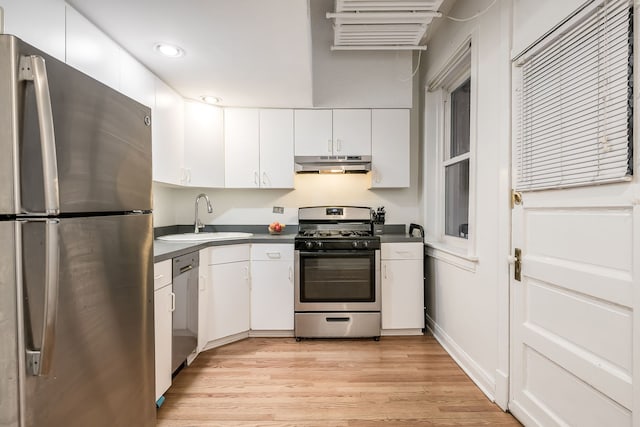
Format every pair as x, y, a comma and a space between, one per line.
477, 374
400, 332
272, 334
226, 340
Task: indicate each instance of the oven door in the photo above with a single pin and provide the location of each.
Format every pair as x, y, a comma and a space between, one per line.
337, 280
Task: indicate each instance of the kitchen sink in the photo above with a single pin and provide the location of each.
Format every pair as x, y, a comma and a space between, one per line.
206, 236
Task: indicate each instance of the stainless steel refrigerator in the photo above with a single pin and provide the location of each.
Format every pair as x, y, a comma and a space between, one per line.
76, 291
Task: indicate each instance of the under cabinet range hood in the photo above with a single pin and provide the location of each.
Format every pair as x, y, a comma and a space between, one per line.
332, 164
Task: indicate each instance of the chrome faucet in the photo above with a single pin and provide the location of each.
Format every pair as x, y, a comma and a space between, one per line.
198, 225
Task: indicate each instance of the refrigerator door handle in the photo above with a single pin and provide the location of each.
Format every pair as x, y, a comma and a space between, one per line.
39, 361
32, 68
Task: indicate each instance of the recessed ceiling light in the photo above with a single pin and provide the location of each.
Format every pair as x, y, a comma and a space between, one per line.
210, 99
169, 50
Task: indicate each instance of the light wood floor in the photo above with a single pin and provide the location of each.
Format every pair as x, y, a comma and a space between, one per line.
400, 381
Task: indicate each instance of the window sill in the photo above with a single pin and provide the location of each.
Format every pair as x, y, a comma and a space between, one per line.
452, 255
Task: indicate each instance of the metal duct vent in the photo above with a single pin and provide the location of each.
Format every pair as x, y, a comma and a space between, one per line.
382, 24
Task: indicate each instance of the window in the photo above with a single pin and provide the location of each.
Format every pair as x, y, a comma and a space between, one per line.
450, 114
456, 161
574, 102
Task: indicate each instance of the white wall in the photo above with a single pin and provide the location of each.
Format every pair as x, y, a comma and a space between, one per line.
466, 305
255, 206
351, 79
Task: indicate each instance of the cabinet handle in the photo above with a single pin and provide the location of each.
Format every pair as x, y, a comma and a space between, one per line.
339, 145
385, 271
256, 178
264, 178
173, 302
189, 176
404, 253
158, 277
291, 274
274, 255
377, 176
246, 274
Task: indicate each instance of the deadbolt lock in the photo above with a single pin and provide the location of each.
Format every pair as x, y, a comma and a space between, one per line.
516, 198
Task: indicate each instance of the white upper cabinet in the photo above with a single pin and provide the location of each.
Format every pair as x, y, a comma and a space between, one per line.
276, 148
91, 51
333, 132
136, 81
390, 143
168, 135
203, 145
258, 148
352, 132
40, 23
242, 147
313, 133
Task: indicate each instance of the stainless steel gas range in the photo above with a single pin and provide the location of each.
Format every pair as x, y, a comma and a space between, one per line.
337, 273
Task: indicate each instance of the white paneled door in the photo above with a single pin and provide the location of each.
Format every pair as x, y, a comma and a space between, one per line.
572, 347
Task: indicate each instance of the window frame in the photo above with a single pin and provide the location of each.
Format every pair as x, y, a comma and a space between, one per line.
465, 68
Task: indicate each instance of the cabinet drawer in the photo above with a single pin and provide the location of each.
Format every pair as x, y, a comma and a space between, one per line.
272, 252
227, 254
412, 250
161, 274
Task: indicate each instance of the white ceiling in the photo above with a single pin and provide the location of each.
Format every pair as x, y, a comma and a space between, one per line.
247, 52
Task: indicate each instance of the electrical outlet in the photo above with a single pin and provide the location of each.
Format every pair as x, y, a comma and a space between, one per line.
278, 209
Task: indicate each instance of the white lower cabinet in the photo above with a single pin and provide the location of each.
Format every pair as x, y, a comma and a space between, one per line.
272, 287
163, 307
228, 296
402, 286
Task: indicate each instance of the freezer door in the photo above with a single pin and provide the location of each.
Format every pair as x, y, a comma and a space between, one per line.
8, 326
101, 139
101, 371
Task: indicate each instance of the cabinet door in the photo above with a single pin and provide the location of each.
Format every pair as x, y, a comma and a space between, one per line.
276, 148
402, 294
41, 23
163, 303
136, 81
91, 51
203, 301
242, 148
168, 135
313, 133
390, 143
229, 299
272, 295
352, 132
203, 145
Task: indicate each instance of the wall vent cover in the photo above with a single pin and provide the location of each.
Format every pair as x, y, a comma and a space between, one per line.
382, 24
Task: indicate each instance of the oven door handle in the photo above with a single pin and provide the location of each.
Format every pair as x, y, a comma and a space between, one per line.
338, 253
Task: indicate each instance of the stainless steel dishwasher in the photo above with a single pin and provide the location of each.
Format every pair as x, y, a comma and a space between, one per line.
185, 314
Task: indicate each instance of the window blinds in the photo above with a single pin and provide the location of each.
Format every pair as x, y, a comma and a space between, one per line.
574, 101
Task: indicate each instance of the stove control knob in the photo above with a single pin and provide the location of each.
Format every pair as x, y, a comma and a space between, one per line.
355, 244
309, 244
365, 244
318, 244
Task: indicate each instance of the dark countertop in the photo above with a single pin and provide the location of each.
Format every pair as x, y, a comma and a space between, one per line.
163, 250
399, 238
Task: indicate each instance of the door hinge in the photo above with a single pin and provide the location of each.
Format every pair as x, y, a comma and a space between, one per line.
517, 266
516, 198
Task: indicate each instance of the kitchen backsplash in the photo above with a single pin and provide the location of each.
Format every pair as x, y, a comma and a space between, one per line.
252, 206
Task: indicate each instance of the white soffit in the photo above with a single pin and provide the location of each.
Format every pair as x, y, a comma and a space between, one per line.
382, 24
